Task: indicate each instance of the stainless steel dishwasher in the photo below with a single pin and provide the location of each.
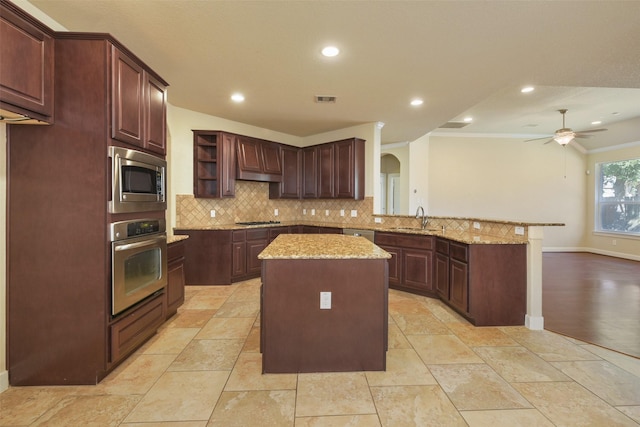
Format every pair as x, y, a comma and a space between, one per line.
367, 234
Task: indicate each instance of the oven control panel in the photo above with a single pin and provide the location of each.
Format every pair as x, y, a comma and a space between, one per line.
127, 229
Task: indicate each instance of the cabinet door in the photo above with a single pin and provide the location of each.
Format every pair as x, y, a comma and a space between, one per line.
394, 265
442, 275
127, 108
155, 115
417, 267
227, 165
238, 259
254, 247
175, 286
310, 172
459, 285
344, 178
326, 171
26, 68
291, 184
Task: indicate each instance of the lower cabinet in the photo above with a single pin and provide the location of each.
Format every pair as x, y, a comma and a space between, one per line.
411, 263
174, 293
246, 246
485, 283
135, 327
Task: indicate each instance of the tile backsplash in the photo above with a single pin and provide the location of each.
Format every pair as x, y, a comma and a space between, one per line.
252, 203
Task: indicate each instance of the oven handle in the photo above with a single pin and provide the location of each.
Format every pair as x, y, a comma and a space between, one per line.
136, 245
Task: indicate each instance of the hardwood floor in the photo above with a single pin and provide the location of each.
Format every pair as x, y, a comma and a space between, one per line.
593, 298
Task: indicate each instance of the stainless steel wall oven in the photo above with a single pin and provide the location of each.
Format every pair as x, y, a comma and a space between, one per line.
138, 261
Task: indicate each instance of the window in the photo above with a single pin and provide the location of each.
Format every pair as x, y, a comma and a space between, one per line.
618, 201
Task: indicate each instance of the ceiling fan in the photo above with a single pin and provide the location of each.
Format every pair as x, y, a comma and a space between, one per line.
565, 135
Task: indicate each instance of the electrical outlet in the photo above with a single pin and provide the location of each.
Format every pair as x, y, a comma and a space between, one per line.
341, 212
313, 211
304, 211
325, 300
519, 231
354, 213
476, 225
614, 243
212, 213
378, 220
275, 212
326, 212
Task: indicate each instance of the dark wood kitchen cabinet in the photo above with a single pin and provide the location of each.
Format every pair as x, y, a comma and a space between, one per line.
258, 160
214, 164
138, 104
334, 170
174, 292
246, 246
27, 64
60, 327
486, 283
411, 263
291, 185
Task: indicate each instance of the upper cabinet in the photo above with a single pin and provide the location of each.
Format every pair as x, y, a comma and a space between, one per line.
337, 170
214, 164
26, 68
138, 104
258, 160
291, 184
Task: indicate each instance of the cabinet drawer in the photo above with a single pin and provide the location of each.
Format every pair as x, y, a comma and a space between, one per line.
404, 240
239, 236
442, 246
257, 233
135, 328
459, 251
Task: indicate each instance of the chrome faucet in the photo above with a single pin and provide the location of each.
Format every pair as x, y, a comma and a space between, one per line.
423, 216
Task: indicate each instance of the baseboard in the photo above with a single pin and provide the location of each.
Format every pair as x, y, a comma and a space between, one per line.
594, 251
4, 381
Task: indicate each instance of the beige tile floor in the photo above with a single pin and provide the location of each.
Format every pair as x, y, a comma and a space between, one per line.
203, 368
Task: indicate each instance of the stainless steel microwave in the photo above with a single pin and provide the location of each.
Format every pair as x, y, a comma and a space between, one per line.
138, 181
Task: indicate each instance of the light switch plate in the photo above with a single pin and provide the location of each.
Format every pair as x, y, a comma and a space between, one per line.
212, 213
325, 300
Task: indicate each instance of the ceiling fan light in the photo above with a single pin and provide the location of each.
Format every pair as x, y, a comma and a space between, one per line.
563, 138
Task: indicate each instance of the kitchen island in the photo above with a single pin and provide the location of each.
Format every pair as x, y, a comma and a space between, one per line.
323, 304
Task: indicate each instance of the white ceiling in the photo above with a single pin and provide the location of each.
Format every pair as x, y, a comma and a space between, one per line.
461, 57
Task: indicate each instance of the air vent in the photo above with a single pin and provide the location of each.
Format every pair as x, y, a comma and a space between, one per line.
323, 99
454, 125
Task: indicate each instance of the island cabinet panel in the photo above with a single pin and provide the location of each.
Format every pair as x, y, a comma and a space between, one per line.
486, 283
174, 293
208, 256
297, 335
411, 265
27, 64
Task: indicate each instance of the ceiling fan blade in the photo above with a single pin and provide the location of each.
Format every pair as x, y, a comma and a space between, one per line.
551, 140
589, 131
536, 139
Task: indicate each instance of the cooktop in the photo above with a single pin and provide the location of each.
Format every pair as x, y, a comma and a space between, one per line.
257, 222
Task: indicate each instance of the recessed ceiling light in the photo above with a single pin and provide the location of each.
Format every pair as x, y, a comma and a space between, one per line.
237, 97
597, 122
527, 89
416, 102
330, 51
467, 119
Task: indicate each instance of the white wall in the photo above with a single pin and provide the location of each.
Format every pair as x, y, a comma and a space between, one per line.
507, 179
602, 243
402, 153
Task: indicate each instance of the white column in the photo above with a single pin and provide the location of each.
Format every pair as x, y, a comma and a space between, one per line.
533, 319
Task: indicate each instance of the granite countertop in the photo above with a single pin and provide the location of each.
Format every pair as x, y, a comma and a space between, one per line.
176, 238
322, 246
